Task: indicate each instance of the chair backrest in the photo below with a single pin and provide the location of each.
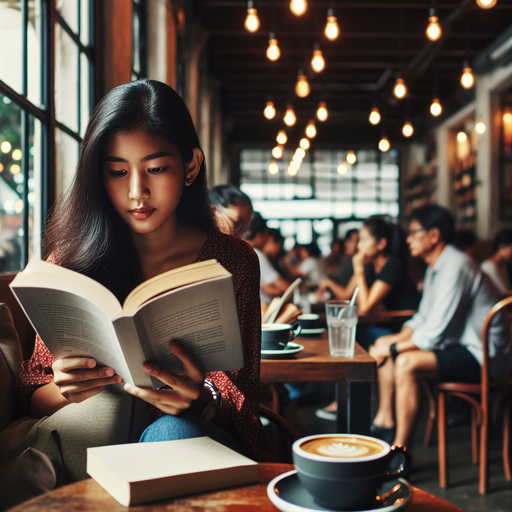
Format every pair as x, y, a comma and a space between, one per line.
24, 329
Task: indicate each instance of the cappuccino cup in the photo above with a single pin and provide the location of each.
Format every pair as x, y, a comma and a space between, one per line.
277, 336
345, 471
309, 320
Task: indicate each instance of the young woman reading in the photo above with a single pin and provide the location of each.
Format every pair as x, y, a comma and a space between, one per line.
138, 207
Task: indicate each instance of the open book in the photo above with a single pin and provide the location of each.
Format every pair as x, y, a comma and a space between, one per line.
77, 316
277, 303
140, 472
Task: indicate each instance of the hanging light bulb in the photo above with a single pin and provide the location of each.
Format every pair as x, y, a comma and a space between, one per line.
467, 79
5, 147
289, 117
374, 116
293, 168
277, 152
400, 90
322, 114
342, 169
302, 88
435, 107
298, 7
281, 137
300, 153
317, 62
434, 30
273, 51
486, 4
304, 143
311, 129
269, 112
252, 22
384, 144
480, 127
407, 129
351, 157
332, 29
273, 168
462, 137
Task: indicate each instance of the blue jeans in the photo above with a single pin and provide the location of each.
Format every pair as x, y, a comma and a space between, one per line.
187, 426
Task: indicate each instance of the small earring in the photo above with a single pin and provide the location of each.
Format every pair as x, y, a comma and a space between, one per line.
189, 180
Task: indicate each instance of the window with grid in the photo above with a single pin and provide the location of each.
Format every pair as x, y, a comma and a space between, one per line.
325, 192
46, 96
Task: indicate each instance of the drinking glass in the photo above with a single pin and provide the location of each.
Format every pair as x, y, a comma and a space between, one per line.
341, 323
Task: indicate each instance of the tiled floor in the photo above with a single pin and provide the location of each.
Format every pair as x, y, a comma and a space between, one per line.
463, 490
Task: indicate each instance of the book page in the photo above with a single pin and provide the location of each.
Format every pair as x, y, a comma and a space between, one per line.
202, 317
70, 325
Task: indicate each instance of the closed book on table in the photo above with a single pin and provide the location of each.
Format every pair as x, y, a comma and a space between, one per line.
140, 472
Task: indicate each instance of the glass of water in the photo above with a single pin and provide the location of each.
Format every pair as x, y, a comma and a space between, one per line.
341, 323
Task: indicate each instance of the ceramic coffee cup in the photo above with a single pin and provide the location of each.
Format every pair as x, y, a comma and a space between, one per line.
277, 336
309, 320
345, 471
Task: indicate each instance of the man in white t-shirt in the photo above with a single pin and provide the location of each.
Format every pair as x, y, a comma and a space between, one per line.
271, 283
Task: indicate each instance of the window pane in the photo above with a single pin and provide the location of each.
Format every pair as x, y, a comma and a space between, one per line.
85, 8
85, 93
68, 9
11, 61
11, 188
35, 186
34, 52
66, 79
66, 159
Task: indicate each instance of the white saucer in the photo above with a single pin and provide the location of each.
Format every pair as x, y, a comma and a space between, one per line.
313, 332
288, 495
286, 353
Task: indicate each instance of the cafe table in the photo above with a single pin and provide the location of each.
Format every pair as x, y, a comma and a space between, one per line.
88, 496
352, 375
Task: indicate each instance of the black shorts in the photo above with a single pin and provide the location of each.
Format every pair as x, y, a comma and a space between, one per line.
456, 363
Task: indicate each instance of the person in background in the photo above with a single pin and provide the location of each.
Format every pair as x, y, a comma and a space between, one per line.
233, 210
465, 241
273, 250
442, 341
345, 271
496, 267
311, 265
333, 261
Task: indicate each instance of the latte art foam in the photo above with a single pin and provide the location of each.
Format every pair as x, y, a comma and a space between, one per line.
342, 447
343, 450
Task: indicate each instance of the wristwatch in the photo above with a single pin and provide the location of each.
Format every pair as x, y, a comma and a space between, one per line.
393, 351
213, 406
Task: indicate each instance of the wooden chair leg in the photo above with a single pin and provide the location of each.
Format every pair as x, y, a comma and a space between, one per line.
506, 439
474, 435
441, 440
484, 453
431, 414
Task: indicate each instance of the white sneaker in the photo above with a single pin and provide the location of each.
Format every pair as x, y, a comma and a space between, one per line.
323, 414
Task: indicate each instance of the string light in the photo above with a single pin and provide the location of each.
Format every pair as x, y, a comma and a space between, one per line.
317, 62
293, 168
400, 90
1, 168
332, 29
269, 112
322, 114
289, 118
374, 116
435, 107
462, 137
507, 118
281, 137
273, 51
486, 4
351, 157
252, 22
300, 153
15, 169
304, 143
298, 7
311, 129
273, 168
5, 147
302, 88
342, 169
17, 154
277, 152
434, 30
384, 144
407, 129
480, 127
467, 79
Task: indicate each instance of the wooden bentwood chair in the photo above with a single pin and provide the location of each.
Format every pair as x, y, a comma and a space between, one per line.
478, 396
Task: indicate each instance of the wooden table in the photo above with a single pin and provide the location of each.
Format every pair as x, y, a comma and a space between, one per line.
352, 375
88, 496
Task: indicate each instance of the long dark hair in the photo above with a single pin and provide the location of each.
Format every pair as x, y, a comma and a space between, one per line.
380, 229
84, 232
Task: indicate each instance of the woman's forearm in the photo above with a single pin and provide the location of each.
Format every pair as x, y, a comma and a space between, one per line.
46, 400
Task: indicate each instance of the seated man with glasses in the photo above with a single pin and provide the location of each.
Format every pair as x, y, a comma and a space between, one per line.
442, 341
